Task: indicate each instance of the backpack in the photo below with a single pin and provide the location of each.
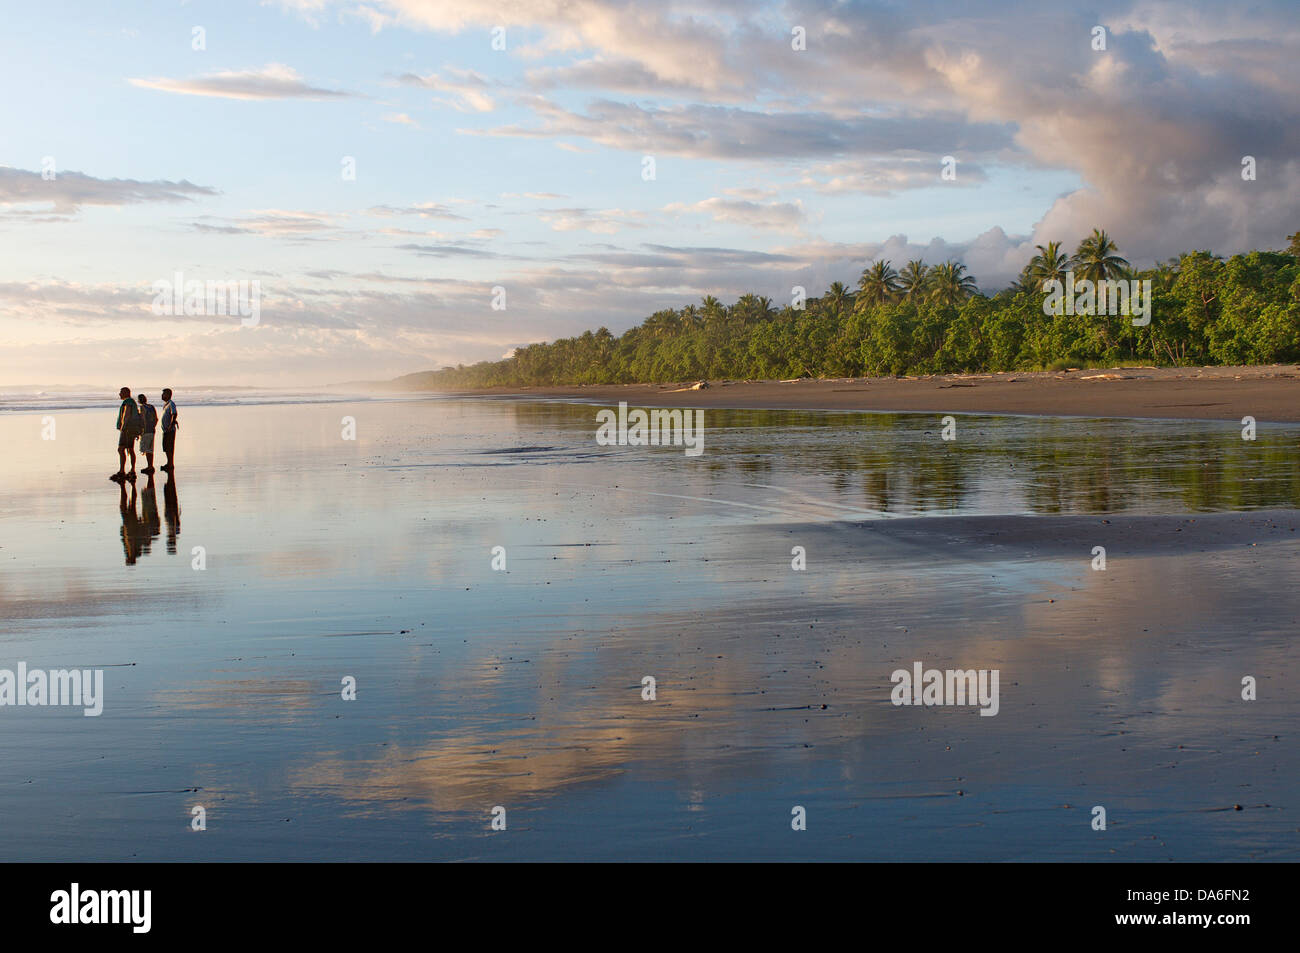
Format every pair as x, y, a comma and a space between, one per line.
150, 414
132, 420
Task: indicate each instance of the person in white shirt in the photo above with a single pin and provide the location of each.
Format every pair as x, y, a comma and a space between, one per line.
170, 424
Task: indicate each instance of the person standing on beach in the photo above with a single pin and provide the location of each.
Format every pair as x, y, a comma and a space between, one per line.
170, 423
128, 427
148, 426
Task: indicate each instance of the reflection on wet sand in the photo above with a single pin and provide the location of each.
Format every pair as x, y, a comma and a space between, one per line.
898, 463
137, 534
172, 508
764, 690
476, 687
140, 522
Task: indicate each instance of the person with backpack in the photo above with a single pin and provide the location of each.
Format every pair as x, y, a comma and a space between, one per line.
148, 427
128, 428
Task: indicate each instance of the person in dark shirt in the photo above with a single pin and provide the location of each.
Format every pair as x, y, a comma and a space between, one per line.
128, 428
148, 426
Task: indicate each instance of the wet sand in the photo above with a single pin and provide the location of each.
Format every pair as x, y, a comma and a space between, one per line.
372, 558
1209, 393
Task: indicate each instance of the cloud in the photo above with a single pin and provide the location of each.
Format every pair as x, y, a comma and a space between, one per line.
610, 76
750, 193
1154, 126
778, 215
272, 222
469, 90
401, 119
725, 132
887, 175
603, 221
68, 192
687, 50
449, 250
412, 233
274, 81
74, 303
422, 209
1144, 139
328, 324
1155, 134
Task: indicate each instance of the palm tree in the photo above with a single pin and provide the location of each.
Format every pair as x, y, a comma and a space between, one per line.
1025, 284
836, 297
745, 309
1165, 274
1050, 264
878, 284
1096, 258
949, 285
911, 281
714, 313
660, 324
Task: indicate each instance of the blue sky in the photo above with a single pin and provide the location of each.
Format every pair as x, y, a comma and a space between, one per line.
522, 168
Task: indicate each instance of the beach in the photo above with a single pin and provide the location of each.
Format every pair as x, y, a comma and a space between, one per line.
497, 586
1201, 393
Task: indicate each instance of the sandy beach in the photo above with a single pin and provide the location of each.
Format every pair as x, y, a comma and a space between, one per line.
1204, 393
521, 687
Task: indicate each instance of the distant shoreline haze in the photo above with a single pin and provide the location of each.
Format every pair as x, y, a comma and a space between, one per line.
931, 319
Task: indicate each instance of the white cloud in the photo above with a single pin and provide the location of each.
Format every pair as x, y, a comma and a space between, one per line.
421, 209
778, 215
274, 81
273, 222
468, 90
63, 195
602, 221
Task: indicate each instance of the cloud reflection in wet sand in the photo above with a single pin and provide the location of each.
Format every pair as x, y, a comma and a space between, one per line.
523, 687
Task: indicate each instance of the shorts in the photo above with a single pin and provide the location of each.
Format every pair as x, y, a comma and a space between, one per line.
146, 442
169, 442
126, 438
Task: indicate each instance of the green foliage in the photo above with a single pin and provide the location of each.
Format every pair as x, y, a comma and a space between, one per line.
1204, 310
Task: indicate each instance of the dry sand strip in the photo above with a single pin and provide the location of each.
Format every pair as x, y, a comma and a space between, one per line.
1269, 394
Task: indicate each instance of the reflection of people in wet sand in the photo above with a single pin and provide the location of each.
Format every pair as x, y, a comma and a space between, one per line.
149, 512
138, 534
130, 526
172, 509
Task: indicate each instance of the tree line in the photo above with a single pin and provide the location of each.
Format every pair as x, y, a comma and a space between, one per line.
930, 319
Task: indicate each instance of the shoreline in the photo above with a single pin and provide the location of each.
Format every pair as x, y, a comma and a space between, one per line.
1269, 393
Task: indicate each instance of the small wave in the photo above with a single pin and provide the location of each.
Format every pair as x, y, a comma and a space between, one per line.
44, 401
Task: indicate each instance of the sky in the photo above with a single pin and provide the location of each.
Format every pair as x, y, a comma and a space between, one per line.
417, 183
